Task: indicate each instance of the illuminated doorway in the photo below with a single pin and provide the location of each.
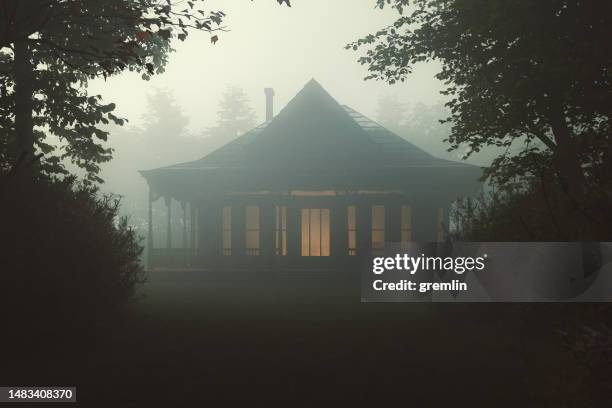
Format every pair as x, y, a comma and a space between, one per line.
315, 232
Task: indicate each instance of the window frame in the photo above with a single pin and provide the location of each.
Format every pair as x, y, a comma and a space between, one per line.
226, 231
351, 227
405, 226
280, 231
375, 229
252, 228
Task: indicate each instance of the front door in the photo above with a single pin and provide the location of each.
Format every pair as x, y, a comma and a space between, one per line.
315, 232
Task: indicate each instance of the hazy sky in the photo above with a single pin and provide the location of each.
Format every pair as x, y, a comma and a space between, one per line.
272, 46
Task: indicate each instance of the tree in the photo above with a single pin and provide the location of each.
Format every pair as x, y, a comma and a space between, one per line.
57, 107
68, 255
532, 69
74, 41
162, 140
235, 115
391, 112
418, 124
165, 124
53, 47
423, 126
21, 18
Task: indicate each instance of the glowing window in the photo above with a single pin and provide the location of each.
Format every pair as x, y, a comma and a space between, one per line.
315, 232
406, 227
227, 231
378, 229
352, 230
252, 230
280, 241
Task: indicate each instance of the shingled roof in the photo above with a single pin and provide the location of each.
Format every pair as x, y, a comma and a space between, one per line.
313, 134
313, 130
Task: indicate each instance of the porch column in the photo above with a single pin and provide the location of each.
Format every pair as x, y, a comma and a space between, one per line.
424, 221
339, 229
169, 225
393, 222
364, 229
238, 231
150, 233
192, 222
210, 232
184, 207
293, 230
267, 225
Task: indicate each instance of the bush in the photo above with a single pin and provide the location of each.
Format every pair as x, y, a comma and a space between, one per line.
588, 336
68, 261
537, 210
542, 211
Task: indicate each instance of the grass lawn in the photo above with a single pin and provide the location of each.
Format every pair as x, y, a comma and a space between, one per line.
309, 344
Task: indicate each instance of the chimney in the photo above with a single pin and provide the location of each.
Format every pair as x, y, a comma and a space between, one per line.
269, 103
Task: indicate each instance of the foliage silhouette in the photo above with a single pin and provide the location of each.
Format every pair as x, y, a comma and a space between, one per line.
234, 117
521, 69
50, 49
537, 211
69, 262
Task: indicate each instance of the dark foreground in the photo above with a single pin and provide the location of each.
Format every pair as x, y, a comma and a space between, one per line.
190, 342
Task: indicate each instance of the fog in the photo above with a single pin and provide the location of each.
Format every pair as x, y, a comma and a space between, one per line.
172, 117
319, 257
272, 46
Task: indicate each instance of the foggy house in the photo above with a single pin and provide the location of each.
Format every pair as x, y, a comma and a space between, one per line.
316, 186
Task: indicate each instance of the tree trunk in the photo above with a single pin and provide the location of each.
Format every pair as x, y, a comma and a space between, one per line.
24, 94
565, 157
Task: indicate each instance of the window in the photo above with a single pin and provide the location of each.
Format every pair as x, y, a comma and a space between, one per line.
440, 230
352, 230
227, 231
406, 227
378, 229
252, 230
315, 232
280, 240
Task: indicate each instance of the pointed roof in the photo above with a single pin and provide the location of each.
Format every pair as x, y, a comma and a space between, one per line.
315, 131
315, 142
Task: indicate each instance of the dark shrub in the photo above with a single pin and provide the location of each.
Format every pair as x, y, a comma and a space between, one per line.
534, 211
68, 261
542, 211
588, 336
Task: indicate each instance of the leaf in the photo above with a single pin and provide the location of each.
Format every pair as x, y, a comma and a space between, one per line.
142, 36
214, 39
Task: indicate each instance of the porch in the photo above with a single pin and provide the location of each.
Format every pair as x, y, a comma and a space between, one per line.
293, 233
